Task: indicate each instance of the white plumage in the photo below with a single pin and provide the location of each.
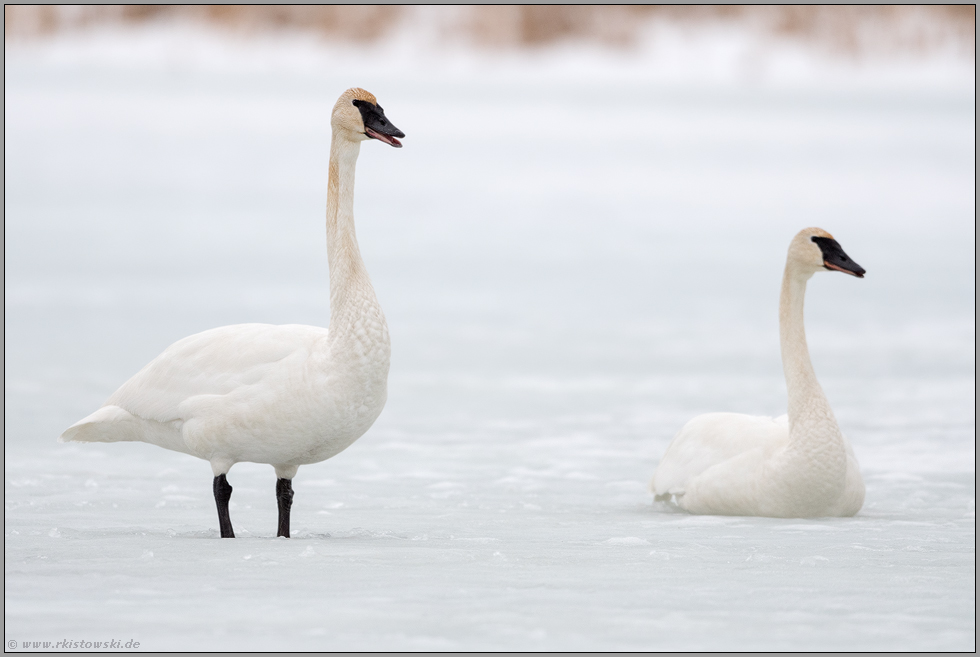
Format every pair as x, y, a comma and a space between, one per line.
250, 392
283, 395
795, 465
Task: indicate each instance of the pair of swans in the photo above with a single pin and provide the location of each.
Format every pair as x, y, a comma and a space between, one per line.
292, 395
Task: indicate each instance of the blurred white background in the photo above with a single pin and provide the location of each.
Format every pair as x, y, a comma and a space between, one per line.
579, 248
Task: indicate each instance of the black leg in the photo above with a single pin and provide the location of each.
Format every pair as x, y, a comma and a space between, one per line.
284, 495
222, 494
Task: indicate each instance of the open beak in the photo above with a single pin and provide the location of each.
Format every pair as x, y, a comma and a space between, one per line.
835, 259
391, 139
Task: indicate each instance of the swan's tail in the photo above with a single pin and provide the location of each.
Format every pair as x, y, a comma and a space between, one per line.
109, 424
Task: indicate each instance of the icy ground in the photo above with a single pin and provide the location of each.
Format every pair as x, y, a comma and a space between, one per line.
575, 257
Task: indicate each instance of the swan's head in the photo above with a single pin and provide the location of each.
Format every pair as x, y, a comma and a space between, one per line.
814, 249
358, 116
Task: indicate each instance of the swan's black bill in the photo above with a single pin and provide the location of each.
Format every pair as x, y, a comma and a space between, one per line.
376, 124
835, 259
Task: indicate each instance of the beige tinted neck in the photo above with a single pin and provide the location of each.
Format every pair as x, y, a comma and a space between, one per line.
807, 403
350, 288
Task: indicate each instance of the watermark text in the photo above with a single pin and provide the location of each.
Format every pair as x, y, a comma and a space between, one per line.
74, 644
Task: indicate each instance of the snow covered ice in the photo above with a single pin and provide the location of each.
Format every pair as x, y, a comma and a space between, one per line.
575, 255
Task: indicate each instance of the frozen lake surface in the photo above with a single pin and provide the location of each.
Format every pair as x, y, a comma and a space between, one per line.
574, 259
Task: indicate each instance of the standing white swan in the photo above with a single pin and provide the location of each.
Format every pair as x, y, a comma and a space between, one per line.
743, 465
283, 395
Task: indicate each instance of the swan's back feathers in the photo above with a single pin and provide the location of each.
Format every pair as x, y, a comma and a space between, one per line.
214, 362
714, 438
195, 373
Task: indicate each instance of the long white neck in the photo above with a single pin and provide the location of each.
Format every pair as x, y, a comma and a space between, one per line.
358, 331
812, 426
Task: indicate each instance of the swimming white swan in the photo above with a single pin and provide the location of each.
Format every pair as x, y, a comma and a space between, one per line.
743, 465
283, 395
